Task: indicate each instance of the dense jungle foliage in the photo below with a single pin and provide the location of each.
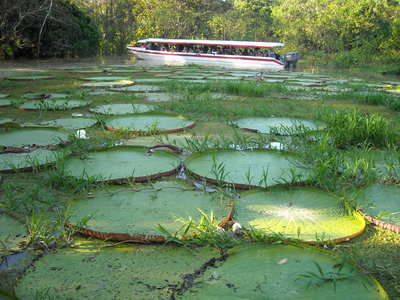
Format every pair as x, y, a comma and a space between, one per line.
352, 31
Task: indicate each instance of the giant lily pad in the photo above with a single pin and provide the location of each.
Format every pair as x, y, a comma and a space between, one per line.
382, 206
281, 272
8, 102
26, 161
126, 214
283, 126
108, 84
104, 78
245, 169
93, 271
29, 78
121, 109
26, 136
157, 122
139, 88
38, 95
53, 104
157, 97
12, 234
4, 95
123, 162
304, 213
71, 123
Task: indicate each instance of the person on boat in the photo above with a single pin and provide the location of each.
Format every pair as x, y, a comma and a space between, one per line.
266, 53
185, 50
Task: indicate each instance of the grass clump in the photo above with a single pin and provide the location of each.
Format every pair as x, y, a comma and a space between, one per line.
351, 129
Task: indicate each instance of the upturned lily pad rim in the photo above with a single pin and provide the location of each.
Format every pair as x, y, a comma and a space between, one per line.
317, 249
152, 114
107, 84
133, 178
286, 187
236, 185
382, 224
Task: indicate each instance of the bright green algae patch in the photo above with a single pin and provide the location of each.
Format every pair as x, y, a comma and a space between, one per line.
382, 202
284, 126
277, 273
124, 210
120, 272
53, 104
299, 212
256, 167
12, 234
121, 108
149, 122
122, 162
20, 161
18, 137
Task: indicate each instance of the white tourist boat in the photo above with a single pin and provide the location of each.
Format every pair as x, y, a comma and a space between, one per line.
232, 54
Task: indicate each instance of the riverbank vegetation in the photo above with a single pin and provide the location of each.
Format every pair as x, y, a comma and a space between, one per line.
342, 32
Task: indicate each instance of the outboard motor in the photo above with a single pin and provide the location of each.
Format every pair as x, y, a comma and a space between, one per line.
291, 59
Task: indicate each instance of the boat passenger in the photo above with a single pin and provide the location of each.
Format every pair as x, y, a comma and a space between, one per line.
266, 53
185, 50
191, 50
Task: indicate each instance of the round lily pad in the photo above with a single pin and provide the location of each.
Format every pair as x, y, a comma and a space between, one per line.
283, 272
95, 271
12, 234
6, 120
300, 212
26, 136
283, 126
71, 123
4, 95
246, 169
157, 122
121, 108
36, 96
139, 88
382, 206
108, 84
120, 163
157, 97
29, 78
22, 162
124, 214
53, 104
104, 78
8, 102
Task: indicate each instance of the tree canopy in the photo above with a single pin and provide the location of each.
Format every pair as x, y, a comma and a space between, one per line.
81, 27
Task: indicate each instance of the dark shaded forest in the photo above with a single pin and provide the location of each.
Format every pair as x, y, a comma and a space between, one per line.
352, 31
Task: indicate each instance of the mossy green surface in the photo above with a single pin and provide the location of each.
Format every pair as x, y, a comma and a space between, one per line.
122, 162
277, 273
299, 212
256, 167
12, 234
123, 210
95, 271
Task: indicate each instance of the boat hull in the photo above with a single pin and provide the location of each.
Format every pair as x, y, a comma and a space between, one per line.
229, 61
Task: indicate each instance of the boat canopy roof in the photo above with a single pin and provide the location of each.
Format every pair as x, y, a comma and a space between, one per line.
214, 43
